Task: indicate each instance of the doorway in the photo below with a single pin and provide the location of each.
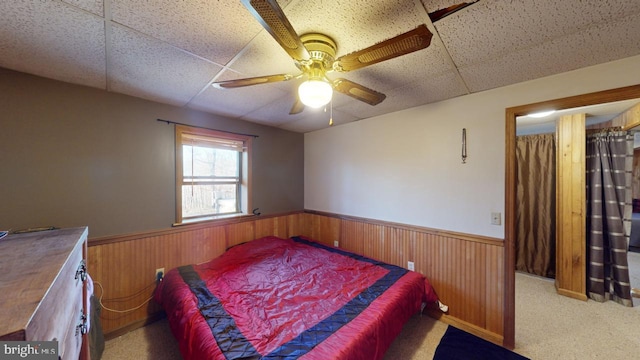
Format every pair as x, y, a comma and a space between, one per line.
626, 93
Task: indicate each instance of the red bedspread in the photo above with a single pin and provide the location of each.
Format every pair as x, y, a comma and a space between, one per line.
275, 298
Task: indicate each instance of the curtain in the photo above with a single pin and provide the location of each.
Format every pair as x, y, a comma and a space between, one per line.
536, 204
609, 161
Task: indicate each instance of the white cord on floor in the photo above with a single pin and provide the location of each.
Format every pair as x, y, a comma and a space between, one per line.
118, 311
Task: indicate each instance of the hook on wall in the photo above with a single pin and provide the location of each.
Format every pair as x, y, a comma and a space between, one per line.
464, 145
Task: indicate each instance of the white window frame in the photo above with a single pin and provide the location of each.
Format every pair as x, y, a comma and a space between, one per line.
185, 134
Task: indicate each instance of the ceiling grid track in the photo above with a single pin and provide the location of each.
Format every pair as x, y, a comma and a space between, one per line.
227, 66
427, 20
108, 21
107, 43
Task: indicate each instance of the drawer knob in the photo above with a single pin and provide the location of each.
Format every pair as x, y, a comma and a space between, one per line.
81, 272
82, 327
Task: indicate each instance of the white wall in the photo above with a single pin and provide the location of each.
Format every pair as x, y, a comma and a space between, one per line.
406, 167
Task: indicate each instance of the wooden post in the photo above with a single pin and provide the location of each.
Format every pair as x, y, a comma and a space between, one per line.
571, 207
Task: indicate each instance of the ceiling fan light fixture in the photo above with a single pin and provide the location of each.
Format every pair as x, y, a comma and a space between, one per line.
315, 93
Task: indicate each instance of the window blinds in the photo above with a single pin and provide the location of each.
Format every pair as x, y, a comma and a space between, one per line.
212, 142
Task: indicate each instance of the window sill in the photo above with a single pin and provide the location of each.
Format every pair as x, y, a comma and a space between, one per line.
212, 219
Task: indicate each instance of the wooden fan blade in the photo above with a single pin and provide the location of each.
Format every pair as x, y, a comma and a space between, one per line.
297, 107
442, 13
406, 43
358, 91
272, 18
230, 84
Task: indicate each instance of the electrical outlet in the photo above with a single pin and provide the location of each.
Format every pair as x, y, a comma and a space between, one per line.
411, 266
159, 274
335, 243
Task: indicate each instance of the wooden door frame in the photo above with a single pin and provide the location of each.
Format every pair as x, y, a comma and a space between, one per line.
600, 97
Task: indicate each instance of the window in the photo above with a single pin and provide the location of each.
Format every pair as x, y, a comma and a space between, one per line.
212, 172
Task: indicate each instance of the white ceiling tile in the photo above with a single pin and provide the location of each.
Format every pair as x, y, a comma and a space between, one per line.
433, 89
491, 28
317, 120
607, 42
400, 71
276, 112
354, 25
236, 102
151, 69
363, 110
36, 37
264, 56
215, 30
413, 94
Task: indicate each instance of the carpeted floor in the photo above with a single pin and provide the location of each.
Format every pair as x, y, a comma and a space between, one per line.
548, 326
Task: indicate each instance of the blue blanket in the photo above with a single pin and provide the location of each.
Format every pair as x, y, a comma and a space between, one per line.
460, 345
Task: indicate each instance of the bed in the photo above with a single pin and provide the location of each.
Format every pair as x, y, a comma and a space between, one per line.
274, 298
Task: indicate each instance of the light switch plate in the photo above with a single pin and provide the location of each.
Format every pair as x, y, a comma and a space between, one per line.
496, 218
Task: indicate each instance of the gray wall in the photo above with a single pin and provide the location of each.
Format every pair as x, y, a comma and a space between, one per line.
75, 156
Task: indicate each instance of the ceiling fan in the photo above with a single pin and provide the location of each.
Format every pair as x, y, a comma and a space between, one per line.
314, 55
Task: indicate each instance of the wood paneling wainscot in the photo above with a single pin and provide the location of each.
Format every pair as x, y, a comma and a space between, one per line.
466, 271
123, 267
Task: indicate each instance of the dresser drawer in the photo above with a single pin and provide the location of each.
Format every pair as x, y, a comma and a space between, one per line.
70, 345
59, 312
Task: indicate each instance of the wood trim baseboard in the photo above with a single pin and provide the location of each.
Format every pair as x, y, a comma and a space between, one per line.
571, 294
135, 325
463, 325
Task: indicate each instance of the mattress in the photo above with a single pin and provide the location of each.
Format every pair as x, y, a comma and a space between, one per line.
274, 298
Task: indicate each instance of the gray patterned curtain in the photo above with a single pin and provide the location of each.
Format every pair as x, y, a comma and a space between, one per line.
609, 164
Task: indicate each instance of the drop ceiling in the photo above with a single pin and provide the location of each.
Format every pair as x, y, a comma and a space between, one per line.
171, 51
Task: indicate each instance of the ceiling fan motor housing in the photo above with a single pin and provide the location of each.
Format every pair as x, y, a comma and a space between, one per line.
322, 50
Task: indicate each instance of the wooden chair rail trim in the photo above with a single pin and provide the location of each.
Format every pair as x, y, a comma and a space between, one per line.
109, 239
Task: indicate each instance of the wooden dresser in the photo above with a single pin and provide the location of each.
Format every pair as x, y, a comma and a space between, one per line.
43, 292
